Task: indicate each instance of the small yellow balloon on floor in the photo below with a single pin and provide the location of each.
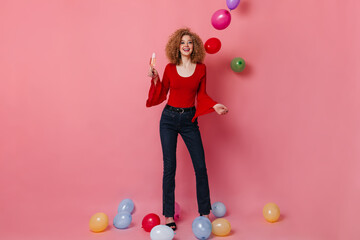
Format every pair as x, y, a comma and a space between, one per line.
271, 212
98, 222
221, 227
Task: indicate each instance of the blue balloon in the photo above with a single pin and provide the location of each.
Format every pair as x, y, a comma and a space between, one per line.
202, 228
122, 220
218, 209
232, 4
126, 205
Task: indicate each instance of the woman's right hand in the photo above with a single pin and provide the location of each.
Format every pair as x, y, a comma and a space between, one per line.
153, 74
220, 109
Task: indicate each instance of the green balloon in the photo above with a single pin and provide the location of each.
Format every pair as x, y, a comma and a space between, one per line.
237, 64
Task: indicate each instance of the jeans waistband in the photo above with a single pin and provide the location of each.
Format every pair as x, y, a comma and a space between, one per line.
179, 110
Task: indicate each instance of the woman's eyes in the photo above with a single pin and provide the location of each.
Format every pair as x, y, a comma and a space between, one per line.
188, 42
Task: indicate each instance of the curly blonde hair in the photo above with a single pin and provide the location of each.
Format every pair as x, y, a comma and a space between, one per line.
173, 47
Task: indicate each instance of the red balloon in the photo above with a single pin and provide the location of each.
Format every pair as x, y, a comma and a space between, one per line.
149, 221
212, 45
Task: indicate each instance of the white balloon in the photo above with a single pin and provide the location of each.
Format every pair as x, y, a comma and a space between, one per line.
161, 232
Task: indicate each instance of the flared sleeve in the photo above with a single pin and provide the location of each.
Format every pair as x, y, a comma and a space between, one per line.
158, 91
204, 102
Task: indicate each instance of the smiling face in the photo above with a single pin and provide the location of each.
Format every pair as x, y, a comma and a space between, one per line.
186, 45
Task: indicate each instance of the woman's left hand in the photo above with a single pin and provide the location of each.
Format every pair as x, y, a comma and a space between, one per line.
220, 109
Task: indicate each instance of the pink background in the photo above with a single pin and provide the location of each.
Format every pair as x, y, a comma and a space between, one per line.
76, 138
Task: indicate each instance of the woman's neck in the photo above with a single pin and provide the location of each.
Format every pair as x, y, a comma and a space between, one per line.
186, 61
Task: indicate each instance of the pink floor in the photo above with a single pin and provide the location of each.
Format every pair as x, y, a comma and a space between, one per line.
68, 218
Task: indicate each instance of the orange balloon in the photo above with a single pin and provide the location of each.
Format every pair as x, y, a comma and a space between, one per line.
98, 222
221, 227
271, 212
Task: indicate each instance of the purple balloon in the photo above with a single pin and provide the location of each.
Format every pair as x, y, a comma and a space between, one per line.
232, 4
221, 19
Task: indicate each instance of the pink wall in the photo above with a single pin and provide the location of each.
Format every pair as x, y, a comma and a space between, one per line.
76, 138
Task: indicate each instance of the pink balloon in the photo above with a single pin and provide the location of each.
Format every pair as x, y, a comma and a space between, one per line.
221, 19
177, 211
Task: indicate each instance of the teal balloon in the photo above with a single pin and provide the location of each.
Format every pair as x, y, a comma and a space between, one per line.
218, 209
238, 64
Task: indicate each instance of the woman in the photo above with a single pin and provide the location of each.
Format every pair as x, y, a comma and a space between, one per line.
185, 77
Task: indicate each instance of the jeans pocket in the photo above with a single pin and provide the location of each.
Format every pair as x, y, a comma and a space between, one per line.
168, 113
189, 116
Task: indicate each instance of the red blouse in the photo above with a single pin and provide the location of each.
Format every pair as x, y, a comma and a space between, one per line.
182, 90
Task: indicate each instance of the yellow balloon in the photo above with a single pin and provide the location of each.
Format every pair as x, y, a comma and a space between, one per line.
221, 227
98, 222
271, 212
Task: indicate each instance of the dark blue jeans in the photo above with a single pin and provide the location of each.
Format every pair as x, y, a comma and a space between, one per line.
171, 124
